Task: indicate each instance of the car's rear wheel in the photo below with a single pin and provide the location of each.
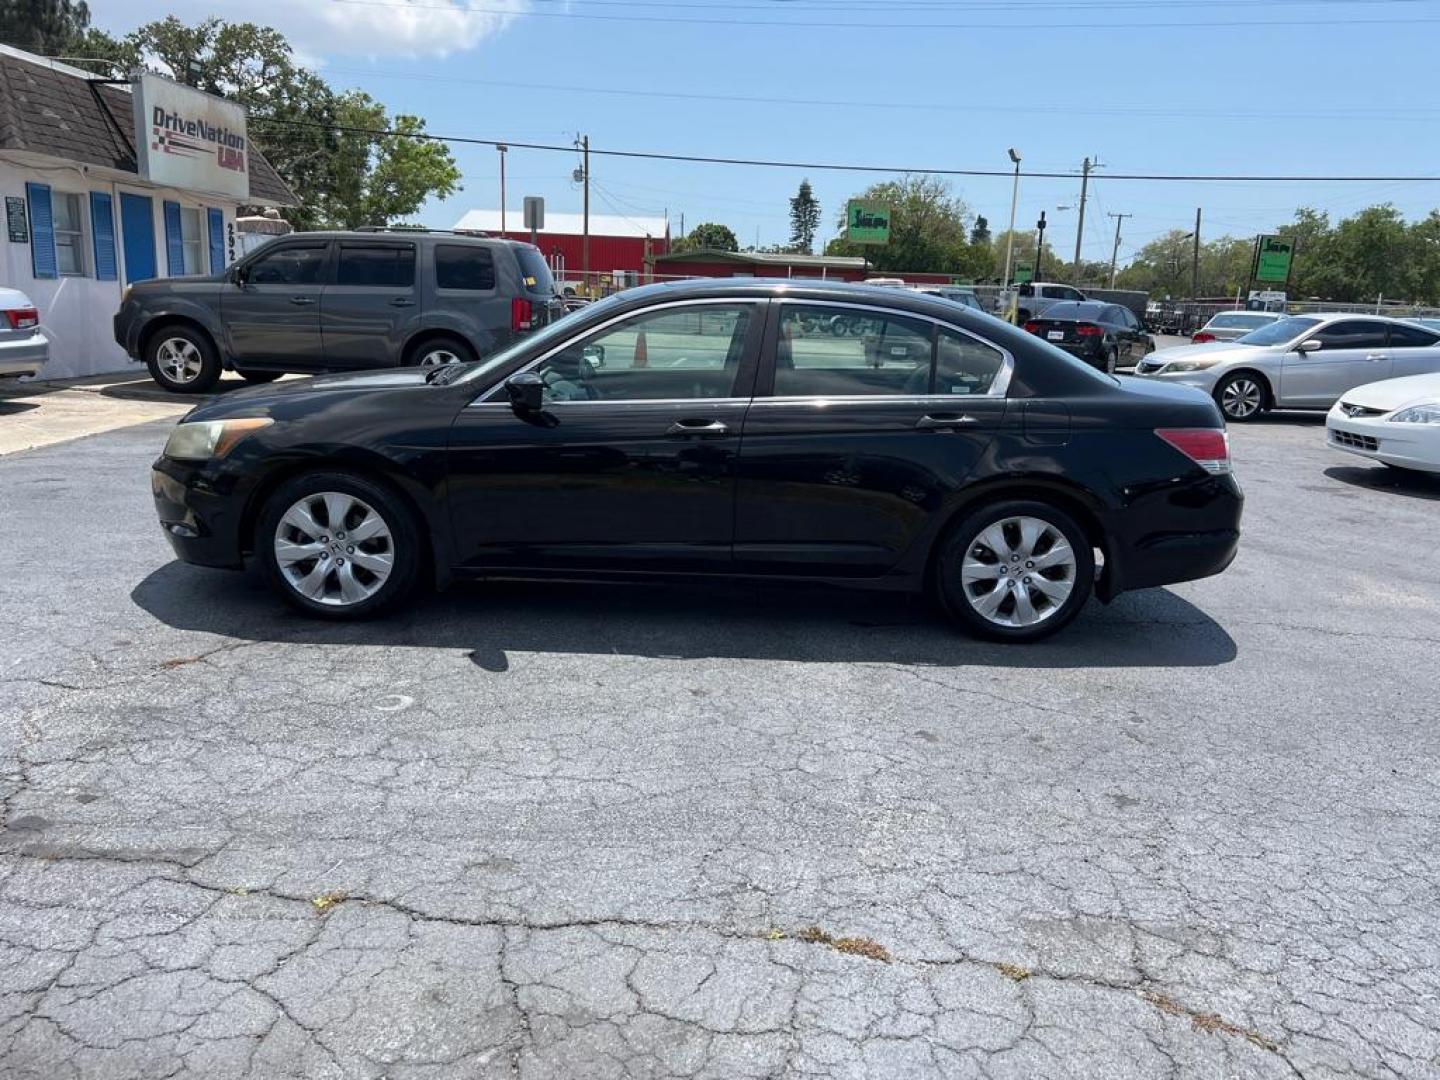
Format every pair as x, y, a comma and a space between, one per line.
338, 545
260, 376
438, 351
1017, 570
182, 360
1241, 396
1112, 360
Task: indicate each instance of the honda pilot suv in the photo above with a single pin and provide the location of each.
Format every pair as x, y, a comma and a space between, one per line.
339, 301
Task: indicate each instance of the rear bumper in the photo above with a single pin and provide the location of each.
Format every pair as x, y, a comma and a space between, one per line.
23, 356
1187, 532
200, 522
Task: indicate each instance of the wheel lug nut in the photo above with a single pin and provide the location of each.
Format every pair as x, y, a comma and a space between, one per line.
350, 550
1029, 565
1027, 581
324, 539
340, 536
339, 562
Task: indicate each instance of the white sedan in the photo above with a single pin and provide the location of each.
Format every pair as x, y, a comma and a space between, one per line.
23, 346
1396, 422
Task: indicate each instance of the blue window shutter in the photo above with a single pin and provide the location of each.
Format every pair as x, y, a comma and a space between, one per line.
217, 240
174, 244
102, 227
42, 231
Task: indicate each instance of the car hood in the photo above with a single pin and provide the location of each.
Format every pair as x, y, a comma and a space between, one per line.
289, 395
1392, 394
1211, 351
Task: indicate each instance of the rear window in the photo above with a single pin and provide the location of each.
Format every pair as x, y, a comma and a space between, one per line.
464, 266
384, 265
535, 270
1239, 320
1073, 309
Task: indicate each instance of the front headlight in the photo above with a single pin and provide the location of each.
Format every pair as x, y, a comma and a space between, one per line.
1179, 367
1429, 413
206, 439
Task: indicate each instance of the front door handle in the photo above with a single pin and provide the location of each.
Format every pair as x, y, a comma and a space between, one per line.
944, 422
699, 428
1378, 356
402, 301
302, 301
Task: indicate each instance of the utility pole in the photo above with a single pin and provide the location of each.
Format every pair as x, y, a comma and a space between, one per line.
502, 148
1080, 225
1115, 251
1039, 246
1195, 261
585, 238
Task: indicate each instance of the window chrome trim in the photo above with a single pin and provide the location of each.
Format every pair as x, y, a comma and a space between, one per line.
999, 386
708, 301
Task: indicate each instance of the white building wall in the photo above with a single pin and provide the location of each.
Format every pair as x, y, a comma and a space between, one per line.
76, 312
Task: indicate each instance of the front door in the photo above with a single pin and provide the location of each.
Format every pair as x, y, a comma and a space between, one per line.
366, 310
1352, 352
852, 441
631, 462
271, 310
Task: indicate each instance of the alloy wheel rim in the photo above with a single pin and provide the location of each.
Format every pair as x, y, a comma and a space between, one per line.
1241, 398
438, 357
179, 359
1018, 572
334, 548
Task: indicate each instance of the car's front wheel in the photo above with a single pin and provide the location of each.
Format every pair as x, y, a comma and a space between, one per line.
338, 545
1241, 396
182, 360
1015, 571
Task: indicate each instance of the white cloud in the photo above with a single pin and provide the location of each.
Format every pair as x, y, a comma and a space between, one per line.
319, 29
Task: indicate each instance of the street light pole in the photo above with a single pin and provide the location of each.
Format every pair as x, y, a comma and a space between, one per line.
1010, 235
1040, 246
503, 149
1080, 225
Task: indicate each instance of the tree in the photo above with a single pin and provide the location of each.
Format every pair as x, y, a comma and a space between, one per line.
708, 237
44, 27
928, 227
804, 219
342, 177
980, 232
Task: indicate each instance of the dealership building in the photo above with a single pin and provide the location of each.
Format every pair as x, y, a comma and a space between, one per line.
91, 208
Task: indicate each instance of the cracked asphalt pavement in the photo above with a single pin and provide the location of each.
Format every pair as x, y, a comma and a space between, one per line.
554, 831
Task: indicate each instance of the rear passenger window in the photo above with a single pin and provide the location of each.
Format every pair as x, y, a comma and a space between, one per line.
462, 266
848, 352
387, 266
1411, 337
964, 365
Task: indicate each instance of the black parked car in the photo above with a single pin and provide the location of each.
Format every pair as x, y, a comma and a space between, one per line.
699, 429
336, 302
1107, 336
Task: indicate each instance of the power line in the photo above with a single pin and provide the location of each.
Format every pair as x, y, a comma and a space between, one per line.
648, 155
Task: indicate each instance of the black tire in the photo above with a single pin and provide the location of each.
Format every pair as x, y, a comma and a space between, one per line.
404, 545
423, 352
965, 539
260, 376
173, 351
1112, 360
1242, 397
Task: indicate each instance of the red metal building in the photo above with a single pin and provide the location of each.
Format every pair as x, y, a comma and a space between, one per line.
711, 264
618, 245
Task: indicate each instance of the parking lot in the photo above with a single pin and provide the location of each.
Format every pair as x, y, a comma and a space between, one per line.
561, 831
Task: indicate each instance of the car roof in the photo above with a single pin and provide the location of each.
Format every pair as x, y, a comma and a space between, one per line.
402, 234
806, 289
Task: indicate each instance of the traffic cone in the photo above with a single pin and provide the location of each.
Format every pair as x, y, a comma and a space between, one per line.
642, 352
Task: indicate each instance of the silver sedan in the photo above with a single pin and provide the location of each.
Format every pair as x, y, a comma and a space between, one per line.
1299, 362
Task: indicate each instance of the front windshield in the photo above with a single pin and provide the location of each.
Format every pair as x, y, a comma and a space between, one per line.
557, 330
1278, 333
1239, 319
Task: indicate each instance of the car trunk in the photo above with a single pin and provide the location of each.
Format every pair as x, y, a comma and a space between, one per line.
1065, 332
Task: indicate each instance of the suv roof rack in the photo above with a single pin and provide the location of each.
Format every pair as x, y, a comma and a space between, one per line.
419, 229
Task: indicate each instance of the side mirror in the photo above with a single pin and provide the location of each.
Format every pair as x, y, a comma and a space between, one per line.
240, 275
527, 392
1309, 346
594, 355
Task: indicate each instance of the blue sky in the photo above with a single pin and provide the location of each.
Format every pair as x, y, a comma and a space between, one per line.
1148, 86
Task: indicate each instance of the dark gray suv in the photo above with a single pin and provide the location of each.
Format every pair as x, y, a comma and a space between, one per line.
339, 301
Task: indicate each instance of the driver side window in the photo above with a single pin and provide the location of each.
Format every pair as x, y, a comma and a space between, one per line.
293, 265
674, 353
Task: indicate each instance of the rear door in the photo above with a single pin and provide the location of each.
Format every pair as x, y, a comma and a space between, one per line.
271, 313
1352, 352
852, 440
1413, 351
365, 314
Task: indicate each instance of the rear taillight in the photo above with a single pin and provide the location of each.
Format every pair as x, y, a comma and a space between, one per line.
1087, 330
1201, 337
522, 314
1207, 447
1031, 328
22, 318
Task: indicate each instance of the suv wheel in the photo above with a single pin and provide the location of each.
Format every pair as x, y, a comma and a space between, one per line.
260, 376
182, 360
437, 351
1015, 571
338, 545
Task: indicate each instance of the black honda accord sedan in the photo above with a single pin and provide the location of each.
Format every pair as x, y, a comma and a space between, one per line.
715, 429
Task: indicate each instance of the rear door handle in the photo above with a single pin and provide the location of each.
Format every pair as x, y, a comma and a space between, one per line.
1378, 356
699, 428
302, 301
402, 301
944, 422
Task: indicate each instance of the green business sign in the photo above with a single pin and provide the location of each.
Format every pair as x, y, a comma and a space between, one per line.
867, 223
1273, 257
1024, 273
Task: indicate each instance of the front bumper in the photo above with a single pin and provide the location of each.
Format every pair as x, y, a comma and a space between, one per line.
1202, 380
24, 356
201, 521
1408, 446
